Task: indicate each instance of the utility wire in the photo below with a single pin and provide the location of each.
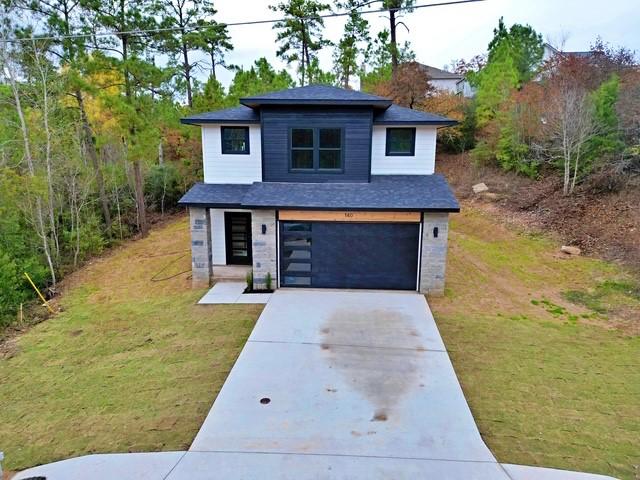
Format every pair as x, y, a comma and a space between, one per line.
232, 24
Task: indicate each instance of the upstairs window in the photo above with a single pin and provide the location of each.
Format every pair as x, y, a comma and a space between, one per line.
316, 149
235, 140
401, 142
302, 148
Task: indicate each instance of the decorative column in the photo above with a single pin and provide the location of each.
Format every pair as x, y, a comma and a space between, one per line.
265, 251
435, 230
201, 269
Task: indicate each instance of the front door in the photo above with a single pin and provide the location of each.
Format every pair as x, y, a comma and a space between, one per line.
238, 238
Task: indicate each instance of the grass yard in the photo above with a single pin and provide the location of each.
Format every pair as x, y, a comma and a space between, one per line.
547, 349
129, 365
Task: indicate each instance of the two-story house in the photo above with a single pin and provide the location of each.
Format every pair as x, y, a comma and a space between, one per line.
319, 186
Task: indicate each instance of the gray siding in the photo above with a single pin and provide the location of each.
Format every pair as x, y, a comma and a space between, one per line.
277, 122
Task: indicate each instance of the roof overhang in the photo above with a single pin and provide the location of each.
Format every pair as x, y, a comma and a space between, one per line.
437, 123
261, 102
421, 193
201, 121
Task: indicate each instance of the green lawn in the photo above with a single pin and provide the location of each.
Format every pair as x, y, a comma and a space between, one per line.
129, 365
547, 349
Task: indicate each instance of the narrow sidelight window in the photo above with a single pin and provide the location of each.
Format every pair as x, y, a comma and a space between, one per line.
401, 142
316, 148
235, 140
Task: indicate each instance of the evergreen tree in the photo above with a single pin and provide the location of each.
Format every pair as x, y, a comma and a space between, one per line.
190, 31
353, 46
300, 33
260, 78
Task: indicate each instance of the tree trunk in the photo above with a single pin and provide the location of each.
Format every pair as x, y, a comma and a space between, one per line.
93, 156
213, 63
394, 45
187, 71
137, 170
302, 64
139, 191
40, 228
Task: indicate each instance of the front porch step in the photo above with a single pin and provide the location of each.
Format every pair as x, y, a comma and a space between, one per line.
230, 272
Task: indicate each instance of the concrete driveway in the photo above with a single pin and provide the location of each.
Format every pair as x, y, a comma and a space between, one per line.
345, 373
331, 384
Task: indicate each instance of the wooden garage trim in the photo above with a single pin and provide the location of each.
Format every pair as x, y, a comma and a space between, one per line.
348, 216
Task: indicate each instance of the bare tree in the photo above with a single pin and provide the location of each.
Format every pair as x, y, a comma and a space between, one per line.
568, 126
43, 72
8, 71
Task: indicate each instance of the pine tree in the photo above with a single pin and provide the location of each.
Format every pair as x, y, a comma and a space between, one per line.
300, 33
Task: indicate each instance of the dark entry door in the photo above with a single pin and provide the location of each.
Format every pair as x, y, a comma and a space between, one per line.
238, 238
349, 255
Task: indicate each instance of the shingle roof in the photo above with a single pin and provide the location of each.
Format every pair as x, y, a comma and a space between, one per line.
239, 114
220, 194
316, 95
385, 112
384, 192
439, 74
396, 114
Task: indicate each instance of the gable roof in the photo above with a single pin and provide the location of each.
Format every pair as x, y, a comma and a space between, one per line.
396, 114
239, 114
316, 95
439, 74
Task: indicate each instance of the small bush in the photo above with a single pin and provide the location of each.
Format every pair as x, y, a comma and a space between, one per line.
249, 279
162, 187
482, 154
11, 293
514, 155
268, 281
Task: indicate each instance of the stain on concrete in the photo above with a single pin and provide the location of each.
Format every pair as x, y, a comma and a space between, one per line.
379, 416
383, 376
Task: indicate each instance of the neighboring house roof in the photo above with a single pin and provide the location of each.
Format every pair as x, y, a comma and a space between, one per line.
439, 74
550, 50
239, 114
316, 95
384, 192
396, 114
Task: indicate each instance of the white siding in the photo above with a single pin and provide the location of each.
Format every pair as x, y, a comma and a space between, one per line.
445, 84
218, 244
219, 168
422, 163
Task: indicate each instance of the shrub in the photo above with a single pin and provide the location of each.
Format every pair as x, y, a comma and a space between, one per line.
11, 293
162, 187
249, 279
515, 155
268, 281
482, 154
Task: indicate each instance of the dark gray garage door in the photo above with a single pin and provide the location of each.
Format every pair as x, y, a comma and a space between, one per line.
349, 255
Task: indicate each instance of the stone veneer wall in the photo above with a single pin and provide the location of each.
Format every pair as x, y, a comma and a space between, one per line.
265, 251
434, 253
201, 268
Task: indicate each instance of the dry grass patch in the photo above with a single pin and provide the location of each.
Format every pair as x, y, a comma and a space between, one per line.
552, 378
128, 365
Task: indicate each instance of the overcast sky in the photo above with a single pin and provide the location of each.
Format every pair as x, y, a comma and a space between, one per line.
440, 34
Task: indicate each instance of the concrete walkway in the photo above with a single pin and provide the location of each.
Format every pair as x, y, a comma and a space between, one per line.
232, 292
331, 384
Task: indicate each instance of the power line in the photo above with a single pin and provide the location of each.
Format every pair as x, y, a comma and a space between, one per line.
232, 24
